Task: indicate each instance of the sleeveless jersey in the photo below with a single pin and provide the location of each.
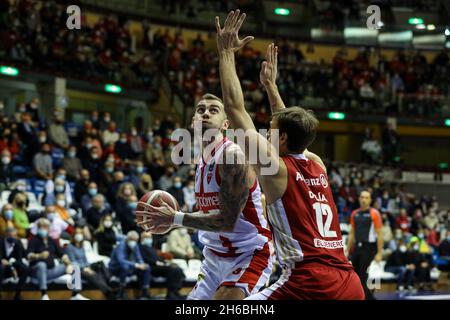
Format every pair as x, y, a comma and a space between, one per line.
304, 220
251, 231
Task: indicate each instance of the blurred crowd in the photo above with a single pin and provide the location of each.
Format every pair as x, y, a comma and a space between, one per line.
55, 185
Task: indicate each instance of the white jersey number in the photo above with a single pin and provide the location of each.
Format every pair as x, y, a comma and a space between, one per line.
323, 209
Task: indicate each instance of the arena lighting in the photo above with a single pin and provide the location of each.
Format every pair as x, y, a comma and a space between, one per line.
415, 20
431, 27
420, 26
9, 71
282, 11
443, 165
447, 122
336, 115
112, 88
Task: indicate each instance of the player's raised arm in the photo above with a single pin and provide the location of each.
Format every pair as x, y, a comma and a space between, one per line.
228, 43
268, 78
234, 189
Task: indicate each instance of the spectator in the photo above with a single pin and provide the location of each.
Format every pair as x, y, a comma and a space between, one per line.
113, 188
57, 133
107, 177
136, 173
180, 245
72, 164
42, 252
86, 200
81, 187
105, 235
63, 210
110, 135
123, 148
7, 175
12, 254
21, 221
136, 143
423, 265
145, 185
42, 163
398, 264
162, 268
126, 260
93, 164
77, 256
98, 209
403, 222
431, 220
444, 251
166, 181
58, 227
177, 191
6, 219
56, 187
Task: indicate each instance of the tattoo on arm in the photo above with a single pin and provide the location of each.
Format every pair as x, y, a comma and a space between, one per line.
233, 195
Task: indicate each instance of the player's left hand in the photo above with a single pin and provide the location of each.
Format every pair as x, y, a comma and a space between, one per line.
268, 73
228, 38
157, 220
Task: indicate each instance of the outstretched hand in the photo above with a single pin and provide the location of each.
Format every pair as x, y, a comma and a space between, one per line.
268, 73
157, 220
228, 38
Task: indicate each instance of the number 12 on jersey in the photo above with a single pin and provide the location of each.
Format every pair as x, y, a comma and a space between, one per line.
322, 209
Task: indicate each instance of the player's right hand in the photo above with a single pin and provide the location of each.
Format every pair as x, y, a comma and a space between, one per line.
157, 220
268, 73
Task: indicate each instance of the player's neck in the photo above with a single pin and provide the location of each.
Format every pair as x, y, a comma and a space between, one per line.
212, 144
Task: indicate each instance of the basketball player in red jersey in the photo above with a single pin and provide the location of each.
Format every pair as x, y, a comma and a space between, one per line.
237, 241
300, 204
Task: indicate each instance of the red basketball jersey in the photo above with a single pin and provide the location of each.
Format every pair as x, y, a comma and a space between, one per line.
304, 220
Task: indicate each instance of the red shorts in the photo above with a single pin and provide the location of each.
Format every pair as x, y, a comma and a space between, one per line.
314, 282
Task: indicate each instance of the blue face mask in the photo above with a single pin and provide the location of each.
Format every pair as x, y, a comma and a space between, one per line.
133, 205
109, 170
9, 214
177, 185
93, 192
62, 177
140, 169
59, 189
43, 233
148, 242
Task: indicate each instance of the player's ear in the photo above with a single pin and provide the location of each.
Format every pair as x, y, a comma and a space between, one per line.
226, 124
192, 123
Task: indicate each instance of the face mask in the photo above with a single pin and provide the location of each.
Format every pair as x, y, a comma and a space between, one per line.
140, 169
133, 205
59, 189
398, 236
177, 185
134, 133
421, 235
42, 139
107, 224
132, 244
89, 145
6, 160
78, 237
72, 154
416, 247
191, 188
94, 156
123, 140
21, 187
92, 191
9, 214
109, 170
148, 242
402, 248
107, 119
51, 216
43, 233
127, 192
61, 203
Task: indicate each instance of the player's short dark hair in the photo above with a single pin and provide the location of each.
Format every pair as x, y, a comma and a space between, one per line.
299, 124
210, 96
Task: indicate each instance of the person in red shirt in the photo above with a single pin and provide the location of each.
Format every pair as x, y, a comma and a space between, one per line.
403, 222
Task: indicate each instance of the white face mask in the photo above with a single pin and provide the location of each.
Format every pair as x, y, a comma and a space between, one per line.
108, 224
78, 237
402, 248
132, 244
61, 203
6, 160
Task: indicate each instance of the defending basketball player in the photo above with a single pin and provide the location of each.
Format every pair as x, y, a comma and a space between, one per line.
233, 228
301, 208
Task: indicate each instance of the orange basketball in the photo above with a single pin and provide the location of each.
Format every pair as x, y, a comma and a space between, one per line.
156, 199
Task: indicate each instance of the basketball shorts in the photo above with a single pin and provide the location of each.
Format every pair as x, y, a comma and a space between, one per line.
248, 272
